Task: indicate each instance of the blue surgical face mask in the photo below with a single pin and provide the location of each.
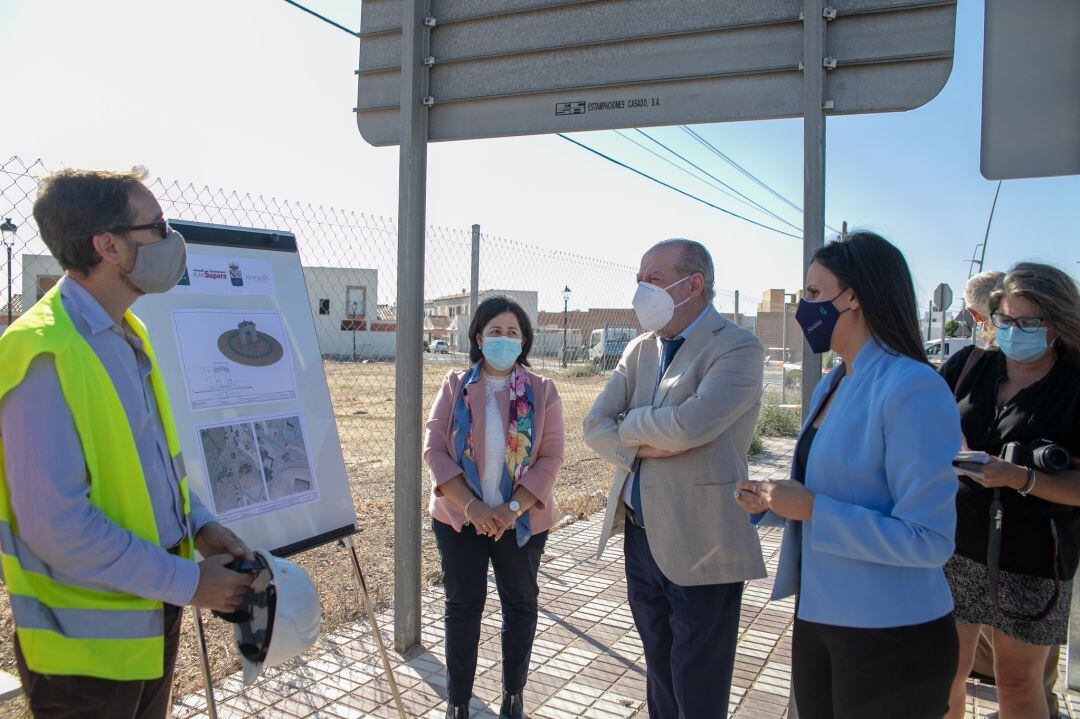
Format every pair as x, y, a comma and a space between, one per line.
501, 352
818, 320
1022, 346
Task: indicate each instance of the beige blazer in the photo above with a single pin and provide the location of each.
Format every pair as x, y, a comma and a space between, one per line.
706, 407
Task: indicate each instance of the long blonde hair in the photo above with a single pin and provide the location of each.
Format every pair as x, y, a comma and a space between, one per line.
1056, 294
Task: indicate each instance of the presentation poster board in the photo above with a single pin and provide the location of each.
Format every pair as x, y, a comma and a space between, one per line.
236, 343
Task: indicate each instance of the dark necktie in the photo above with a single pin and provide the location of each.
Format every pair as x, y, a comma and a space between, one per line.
667, 354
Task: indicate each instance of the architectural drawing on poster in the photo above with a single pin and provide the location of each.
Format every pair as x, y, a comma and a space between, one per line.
233, 358
257, 466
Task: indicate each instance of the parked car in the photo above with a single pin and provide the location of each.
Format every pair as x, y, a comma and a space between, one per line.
953, 345
440, 347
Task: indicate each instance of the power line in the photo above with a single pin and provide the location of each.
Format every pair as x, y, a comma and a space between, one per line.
746, 172
323, 18
746, 200
676, 189
679, 167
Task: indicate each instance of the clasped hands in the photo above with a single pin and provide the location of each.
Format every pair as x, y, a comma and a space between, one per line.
491, 521
785, 497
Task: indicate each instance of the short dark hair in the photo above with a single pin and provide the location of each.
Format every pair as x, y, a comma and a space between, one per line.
876, 271
488, 310
74, 205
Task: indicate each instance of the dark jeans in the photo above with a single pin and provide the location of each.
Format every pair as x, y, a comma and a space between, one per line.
851, 673
689, 635
465, 556
75, 697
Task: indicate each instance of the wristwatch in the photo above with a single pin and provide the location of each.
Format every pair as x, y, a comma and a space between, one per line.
515, 507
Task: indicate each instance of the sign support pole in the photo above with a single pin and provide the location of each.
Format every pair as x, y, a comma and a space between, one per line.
412, 201
813, 164
813, 182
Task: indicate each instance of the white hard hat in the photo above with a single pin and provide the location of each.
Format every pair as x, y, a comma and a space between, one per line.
279, 617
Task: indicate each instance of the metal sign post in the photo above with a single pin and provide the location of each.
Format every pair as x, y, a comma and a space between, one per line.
412, 206
813, 165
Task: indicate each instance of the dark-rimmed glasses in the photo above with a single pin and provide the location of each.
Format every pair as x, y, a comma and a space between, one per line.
162, 227
1024, 324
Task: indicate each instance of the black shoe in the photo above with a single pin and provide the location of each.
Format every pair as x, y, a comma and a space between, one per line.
512, 706
457, 711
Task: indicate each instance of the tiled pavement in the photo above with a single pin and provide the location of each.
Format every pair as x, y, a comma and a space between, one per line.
587, 660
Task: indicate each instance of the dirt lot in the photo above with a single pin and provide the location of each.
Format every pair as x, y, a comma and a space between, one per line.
363, 398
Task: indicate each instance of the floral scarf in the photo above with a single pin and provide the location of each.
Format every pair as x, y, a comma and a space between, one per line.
519, 439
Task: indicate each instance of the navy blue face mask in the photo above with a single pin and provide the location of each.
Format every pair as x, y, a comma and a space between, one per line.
818, 320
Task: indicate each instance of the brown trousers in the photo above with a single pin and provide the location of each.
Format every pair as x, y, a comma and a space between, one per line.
75, 697
984, 664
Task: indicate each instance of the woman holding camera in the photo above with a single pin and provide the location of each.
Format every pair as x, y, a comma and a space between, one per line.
494, 446
1018, 532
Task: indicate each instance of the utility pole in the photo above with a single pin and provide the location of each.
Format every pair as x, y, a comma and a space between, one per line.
474, 288
783, 361
737, 309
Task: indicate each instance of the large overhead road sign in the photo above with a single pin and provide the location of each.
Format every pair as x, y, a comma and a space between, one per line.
516, 67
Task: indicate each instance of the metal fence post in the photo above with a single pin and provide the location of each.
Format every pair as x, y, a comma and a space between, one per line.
412, 190
737, 321
474, 298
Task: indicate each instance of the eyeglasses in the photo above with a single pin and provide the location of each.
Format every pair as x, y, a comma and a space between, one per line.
162, 228
1024, 324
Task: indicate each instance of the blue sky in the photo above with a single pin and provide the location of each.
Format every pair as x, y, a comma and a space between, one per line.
257, 96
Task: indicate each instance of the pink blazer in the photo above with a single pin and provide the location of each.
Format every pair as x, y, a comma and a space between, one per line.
547, 453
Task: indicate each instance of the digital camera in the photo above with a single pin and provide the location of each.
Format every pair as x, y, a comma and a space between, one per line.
1040, 454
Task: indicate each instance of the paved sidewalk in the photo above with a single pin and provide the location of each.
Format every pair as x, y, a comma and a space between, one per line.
587, 660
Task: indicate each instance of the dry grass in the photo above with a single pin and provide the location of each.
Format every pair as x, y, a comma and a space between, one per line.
363, 399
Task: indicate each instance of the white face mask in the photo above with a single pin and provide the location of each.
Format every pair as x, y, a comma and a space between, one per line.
654, 306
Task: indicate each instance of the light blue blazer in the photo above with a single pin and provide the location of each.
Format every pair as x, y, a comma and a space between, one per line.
884, 516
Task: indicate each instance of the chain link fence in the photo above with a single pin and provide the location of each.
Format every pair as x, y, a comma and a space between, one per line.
580, 305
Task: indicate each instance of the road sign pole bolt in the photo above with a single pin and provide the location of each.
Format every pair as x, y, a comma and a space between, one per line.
430, 22
829, 63
429, 60
828, 105
829, 13
428, 101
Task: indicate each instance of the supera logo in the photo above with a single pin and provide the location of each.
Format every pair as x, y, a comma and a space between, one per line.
210, 274
235, 275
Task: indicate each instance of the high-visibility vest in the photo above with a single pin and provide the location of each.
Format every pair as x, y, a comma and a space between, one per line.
66, 627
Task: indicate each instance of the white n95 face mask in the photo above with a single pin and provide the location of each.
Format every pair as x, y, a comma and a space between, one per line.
653, 305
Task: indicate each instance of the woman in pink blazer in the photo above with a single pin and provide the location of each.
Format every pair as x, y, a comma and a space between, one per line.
494, 445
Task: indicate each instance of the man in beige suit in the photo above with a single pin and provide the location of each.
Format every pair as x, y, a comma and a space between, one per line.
676, 420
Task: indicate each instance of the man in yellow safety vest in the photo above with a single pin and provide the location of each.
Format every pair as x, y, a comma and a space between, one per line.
97, 527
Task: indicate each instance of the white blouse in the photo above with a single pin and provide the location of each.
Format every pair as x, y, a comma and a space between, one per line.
496, 390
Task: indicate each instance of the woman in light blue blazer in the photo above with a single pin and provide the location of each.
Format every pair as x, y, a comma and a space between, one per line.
869, 510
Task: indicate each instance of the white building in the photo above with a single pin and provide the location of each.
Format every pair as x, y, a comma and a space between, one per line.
344, 306
457, 307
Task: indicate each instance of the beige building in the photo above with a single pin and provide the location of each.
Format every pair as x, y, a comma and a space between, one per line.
775, 306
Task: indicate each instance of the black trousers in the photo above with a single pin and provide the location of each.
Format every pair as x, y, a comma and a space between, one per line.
893, 673
689, 635
75, 697
465, 556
